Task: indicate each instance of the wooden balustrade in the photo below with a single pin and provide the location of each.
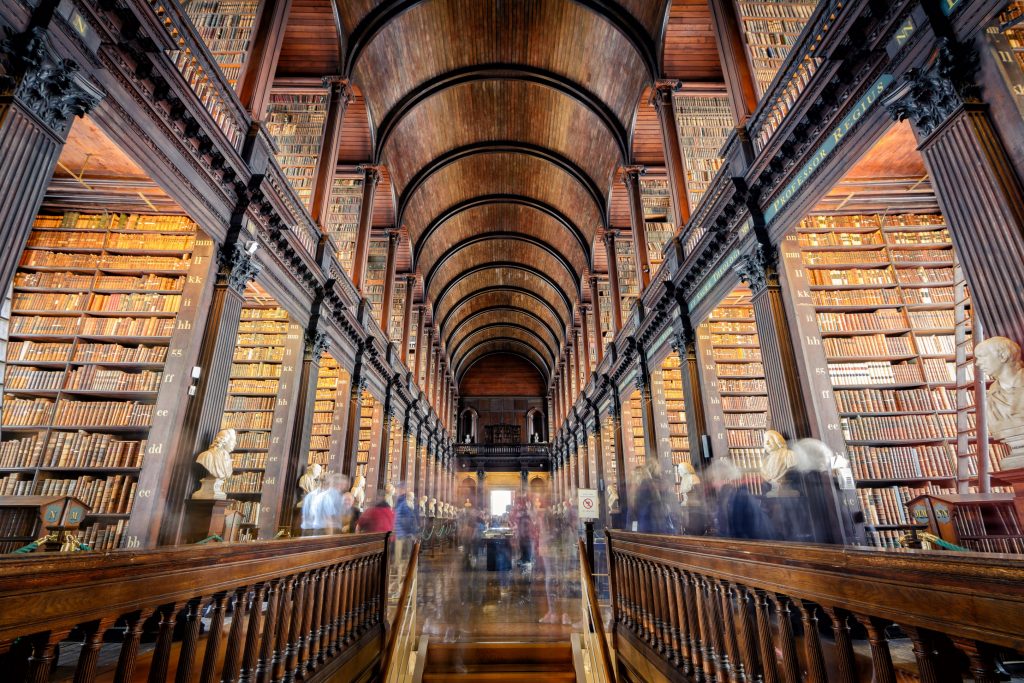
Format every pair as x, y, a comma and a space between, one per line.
721, 610
596, 647
306, 609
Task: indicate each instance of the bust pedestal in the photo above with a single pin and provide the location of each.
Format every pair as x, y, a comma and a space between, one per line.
203, 518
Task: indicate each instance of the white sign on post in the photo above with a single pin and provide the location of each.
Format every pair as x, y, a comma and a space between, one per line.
588, 504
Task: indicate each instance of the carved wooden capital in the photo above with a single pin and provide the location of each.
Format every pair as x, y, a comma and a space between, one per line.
48, 86
371, 173
237, 266
631, 175
759, 268
930, 96
316, 343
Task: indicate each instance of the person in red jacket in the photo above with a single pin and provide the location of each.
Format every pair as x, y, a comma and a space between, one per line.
378, 518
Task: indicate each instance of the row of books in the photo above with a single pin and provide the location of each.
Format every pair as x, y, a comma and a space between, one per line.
263, 387
104, 495
248, 510
867, 345
259, 369
110, 240
72, 449
745, 403
255, 326
95, 378
103, 536
747, 420
256, 313
745, 438
872, 220
893, 400
244, 482
898, 427
99, 327
18, 522
29, 351
249, 420
257, 461
873, 372
903, 462
249, 403
74, 220
758, 386
246, 340
135, 302
888, 505
103, 413
258, 353
136, 263
884, 319
737, 354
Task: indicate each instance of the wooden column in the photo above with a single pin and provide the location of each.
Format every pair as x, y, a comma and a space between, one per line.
260, 66
665, 106
389, 282
685, 345
786, 404
421, 315
598, 469
403, 472
43, 94
643, 384
615, 415
739, 78
314, 345
631, 179
613, 280
355, 409
581, 350
327, 162
428, 355
410, 285
206, 407
371, 177
596, 319
975, 182
384, 457
585, 334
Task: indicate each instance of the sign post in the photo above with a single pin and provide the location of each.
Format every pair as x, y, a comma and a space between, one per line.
588, 512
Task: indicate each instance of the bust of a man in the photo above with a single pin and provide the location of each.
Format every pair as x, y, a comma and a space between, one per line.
999, 358
688, 480
310, 479
359, 491
778, 460
423, 506
389, 494
432, 508
216, 460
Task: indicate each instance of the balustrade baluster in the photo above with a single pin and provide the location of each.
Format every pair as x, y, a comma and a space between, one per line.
323, 615
725, 602
707, 649
765, 641
683, 622
347, 617
187, 653
672, 615
638, 604
337, 618
694, 621
846, 663
234, 647
881, 659
264, 664
295, 629
664, 616
746, 634
982, 663
925, 653
359, 603
162, 654
306, 631
44, 654
787, 644
252, 634
629, 616
723, 666
374, 595
812, 643
213, 638
129, 648
646, 604
92, 641
284, 619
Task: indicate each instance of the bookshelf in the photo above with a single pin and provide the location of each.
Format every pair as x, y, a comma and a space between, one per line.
96, 302
397, 311
366, 451
770, 29
324, 441
394, 469
296, 122
226, 27
735, 384
670, 409
343, 218
629, 282
604, 310
704, 122
376, 267
657, 204
1006, 37
633, 428
611, 470
893, 317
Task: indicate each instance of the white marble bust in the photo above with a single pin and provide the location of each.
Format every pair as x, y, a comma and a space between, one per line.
216, 460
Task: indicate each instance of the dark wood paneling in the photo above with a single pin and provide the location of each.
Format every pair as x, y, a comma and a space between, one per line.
310, 46
690, 53
502, 374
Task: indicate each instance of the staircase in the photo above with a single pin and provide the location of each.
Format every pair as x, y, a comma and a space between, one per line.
506, 662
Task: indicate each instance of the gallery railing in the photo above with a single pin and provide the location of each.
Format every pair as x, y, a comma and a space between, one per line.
711, 609
397, 659
311, 608
595, 642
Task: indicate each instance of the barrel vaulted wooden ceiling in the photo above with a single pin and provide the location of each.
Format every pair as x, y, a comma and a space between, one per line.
502, 125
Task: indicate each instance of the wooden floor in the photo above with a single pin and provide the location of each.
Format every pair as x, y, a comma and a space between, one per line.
461, 603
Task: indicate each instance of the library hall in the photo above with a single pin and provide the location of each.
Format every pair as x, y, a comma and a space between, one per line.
465, 341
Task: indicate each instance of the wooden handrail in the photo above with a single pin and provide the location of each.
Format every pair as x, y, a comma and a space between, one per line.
707, 604
593, 609
296, 605
405, 597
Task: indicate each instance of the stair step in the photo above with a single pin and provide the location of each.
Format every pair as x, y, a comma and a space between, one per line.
503, 676
515, 657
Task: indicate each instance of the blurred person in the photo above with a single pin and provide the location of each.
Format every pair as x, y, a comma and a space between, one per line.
330, 502
378, 518
407, 524
651, 505
738, 513
820, 475
556, 542
314, 523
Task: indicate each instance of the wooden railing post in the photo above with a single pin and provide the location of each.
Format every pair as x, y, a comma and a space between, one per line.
264, 665
190, 617
165, 634
746, 634
881, 659
725, 607
213, 638
786, 644
846, 663
234, 647
129, 648
925, 653
766, 645
812, 643
252, 634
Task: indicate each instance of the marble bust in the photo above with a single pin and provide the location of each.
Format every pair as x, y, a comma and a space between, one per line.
778, 460
359, 491
389, 494
432, 508
1000, 359
216, 460
310, 479
688, 480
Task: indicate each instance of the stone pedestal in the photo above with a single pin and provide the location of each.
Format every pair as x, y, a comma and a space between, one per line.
1012, 469
204, 518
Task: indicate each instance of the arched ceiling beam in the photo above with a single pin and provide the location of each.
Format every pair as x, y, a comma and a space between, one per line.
609, 10
495, 341
551, 355
541, 367
502, 235
493, 309
501, 288
498, 147
512, 265
501, 72
485, 200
